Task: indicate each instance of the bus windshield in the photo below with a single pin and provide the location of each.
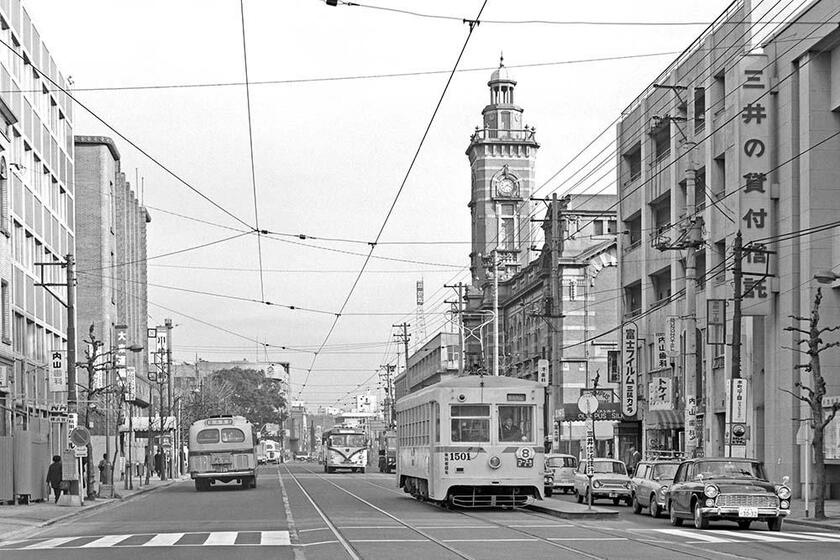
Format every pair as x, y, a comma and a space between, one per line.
347, 440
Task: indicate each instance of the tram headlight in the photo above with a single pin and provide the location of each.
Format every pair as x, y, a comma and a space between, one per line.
494, 462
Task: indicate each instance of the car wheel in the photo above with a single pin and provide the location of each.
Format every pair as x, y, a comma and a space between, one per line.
672, 515
549, 491
655, 511
578, 497
774, 524
565, 490
744, 524
616, 501
628, 502
700, 522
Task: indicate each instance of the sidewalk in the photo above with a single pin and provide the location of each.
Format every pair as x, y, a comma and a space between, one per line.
17, 519
832, 511
570, 510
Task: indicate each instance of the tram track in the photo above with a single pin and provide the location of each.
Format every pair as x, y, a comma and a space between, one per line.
680, 552
344, 541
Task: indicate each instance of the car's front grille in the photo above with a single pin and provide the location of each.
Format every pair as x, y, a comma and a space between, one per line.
747, 500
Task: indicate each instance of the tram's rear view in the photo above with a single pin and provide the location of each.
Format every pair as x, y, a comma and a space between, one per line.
473, 441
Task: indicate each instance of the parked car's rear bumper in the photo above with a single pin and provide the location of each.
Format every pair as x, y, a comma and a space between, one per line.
611, 493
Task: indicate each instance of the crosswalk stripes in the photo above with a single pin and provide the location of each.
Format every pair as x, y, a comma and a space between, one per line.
724, 536
216, 538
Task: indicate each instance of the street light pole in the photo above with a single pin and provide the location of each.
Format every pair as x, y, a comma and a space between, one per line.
495, 312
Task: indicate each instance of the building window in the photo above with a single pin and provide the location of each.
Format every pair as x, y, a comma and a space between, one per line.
661, 283
4, 309
718, 185
633, 163
662, 141
699, 110
633, 298
4, 204
661, 214
598, 226
634, 228
612, 226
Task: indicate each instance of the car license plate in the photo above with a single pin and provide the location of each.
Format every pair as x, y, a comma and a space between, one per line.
525, 463
747, 512
613, 494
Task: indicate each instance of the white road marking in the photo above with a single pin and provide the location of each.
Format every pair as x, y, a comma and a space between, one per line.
753, 536
694, 535
51, 543
164, 539
561, 539
275, 538
221, 538
819, 537
826, 536
103, 542
315, 529
318, 543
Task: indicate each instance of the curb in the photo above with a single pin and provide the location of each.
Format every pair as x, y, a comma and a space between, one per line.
813, 524
113, 502
594, 514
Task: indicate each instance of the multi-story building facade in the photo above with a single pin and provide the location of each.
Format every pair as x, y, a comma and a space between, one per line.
111, 230
37, 222
437, 359
762, 122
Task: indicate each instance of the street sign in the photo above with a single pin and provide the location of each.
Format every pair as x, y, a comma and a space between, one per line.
58, 408
80, 436
80, 451
672, 336
72, 420
587, 404
590, 454
661, 355
542, 372
57, 373
58, 419
130, 384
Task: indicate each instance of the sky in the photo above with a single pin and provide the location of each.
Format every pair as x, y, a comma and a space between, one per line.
333, 138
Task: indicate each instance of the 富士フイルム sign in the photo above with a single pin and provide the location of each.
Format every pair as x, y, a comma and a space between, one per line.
629, 369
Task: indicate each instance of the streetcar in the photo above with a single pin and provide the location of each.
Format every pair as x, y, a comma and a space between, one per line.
222, 450
345, 448
473, 441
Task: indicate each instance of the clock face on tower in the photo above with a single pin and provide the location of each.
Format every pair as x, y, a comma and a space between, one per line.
506, 184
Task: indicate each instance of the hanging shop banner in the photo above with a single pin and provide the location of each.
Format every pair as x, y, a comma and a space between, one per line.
735, 434
716, 321
755, 204
672, 336
130, 384
629, 369
661, 393
542, 372
121, 333
58, 381
661, 361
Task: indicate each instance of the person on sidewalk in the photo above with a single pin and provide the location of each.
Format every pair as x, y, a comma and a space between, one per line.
104, 469
54, 475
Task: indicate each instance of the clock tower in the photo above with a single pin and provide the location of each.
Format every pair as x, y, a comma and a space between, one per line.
501, 153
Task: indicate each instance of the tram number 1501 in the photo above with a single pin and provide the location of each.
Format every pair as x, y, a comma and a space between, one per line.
459, 456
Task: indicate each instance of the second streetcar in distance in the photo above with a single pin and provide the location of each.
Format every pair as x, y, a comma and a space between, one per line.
473, 441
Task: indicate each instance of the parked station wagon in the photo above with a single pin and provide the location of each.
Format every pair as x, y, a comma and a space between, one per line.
727, 488
650, 485
609, 481
563, 467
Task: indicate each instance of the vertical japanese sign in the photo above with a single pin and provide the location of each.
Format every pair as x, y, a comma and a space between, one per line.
661, 355
755, 203
121, 333
57, 373
661, 393
672, 336
151, 347
736, 418
130, 384
629, 369
542, 372
716, 321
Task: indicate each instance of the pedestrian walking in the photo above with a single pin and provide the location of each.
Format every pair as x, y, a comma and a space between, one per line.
634, 458
104, 469
54, 476
158, 463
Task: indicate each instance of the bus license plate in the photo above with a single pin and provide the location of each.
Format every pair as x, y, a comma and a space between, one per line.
525, 463
747, 512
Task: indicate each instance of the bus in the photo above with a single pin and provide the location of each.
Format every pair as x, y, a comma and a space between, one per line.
473, 441
345, 448
268, 452
222, 450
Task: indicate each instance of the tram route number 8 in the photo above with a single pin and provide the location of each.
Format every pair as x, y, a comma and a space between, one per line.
459, 456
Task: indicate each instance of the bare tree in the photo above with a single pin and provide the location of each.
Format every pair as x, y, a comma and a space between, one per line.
813, 392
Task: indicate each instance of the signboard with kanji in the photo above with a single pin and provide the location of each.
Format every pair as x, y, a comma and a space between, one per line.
661, 393
629, 369
672, 336
542, 372
58, 379
130, 384
661, 355
755, 204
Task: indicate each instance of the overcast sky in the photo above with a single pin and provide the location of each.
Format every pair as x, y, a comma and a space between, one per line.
330, 154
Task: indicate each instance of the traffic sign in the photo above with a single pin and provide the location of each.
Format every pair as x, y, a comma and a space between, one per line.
588, 404
80, 436
80, 451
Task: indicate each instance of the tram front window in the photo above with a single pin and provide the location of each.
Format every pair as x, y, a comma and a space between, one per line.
516, 423
347, 440
470, 423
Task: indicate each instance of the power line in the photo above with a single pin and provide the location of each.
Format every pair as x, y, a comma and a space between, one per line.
251, 150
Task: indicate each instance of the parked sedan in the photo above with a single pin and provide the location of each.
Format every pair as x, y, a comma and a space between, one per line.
609, 481
730, 489
563, 467
650, 485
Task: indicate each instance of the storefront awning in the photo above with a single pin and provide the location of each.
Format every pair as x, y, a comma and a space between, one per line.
664, 419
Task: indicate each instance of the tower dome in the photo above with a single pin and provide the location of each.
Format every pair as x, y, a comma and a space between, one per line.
501, 85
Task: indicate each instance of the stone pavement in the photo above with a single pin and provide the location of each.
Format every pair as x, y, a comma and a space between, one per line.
570, 510
16, 520
832, 511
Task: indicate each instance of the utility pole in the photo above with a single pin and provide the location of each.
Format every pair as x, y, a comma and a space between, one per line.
403, 337
167, 465
72, 401
737, 250
554, 334
389, 394
460, 286
495, 312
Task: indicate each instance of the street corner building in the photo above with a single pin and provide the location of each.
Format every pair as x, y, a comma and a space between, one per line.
111, 228
37, 223
736, 142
